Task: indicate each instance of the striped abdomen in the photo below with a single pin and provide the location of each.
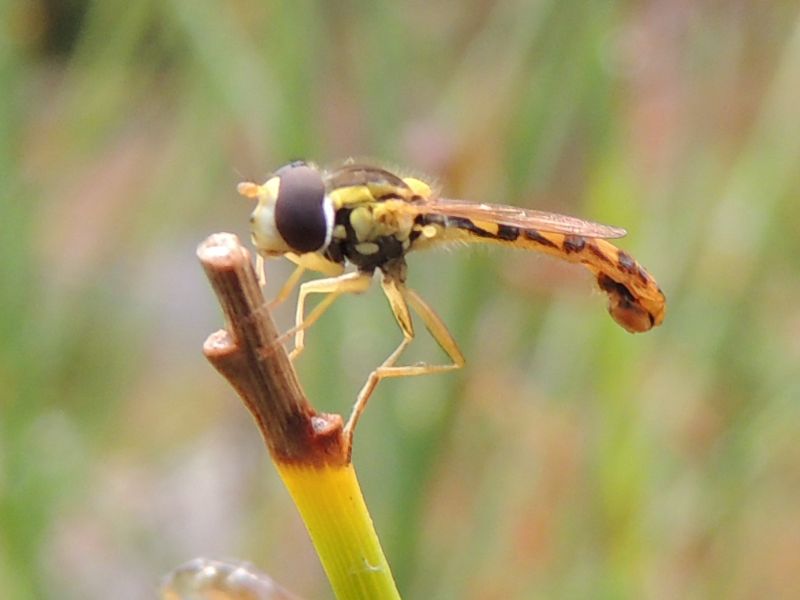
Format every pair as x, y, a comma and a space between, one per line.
634, 299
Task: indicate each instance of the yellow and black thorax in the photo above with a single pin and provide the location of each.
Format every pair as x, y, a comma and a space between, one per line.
375, 222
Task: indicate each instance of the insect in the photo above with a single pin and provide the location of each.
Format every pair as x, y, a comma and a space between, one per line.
371, 218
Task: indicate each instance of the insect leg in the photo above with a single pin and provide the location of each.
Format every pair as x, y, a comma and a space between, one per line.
288, 286
349, 283
262, 278
400, 297
436, 328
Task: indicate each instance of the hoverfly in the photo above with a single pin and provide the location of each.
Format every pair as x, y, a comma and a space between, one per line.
371, 218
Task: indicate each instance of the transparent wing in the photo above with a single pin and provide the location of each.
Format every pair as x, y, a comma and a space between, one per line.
519, 217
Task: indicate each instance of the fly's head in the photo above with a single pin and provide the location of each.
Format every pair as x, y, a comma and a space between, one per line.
294, 213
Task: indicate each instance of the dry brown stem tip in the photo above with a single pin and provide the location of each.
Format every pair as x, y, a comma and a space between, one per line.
248, 355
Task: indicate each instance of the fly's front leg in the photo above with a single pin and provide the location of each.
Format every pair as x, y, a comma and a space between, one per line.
262, 278
399, 298
349, 283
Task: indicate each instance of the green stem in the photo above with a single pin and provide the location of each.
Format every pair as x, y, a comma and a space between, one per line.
332, 507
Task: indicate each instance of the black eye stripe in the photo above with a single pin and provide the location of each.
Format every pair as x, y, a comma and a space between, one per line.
299, 208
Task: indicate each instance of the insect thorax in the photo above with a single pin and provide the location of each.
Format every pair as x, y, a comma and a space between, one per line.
371, 235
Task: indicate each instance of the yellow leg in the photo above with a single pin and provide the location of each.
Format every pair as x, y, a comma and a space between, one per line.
288, 286
399, 298
262, 278
349, 283
435, 327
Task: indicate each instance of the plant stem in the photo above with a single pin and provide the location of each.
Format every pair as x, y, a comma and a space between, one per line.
308, 448
341, 529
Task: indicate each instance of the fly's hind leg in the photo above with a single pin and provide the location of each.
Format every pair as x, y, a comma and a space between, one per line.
349, 283
400, 297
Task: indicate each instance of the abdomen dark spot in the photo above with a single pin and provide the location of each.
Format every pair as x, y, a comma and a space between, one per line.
626, 262
507, 232
574, 243
535, 236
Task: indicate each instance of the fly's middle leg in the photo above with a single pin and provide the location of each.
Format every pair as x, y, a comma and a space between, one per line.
288, 285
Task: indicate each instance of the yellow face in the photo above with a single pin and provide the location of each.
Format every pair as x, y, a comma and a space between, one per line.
263, 230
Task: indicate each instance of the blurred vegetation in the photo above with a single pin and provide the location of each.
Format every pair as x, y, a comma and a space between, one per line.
569, 459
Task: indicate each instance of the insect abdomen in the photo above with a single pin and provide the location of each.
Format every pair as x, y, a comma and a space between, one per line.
635, 300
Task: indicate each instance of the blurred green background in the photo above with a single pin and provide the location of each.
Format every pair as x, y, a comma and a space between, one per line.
569, 459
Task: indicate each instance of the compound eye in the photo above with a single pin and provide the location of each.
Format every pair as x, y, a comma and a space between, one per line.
300, 213
289, 166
